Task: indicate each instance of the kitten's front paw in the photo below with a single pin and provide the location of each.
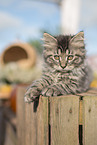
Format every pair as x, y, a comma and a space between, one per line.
27, 99
47, 92
50, 91
31, 95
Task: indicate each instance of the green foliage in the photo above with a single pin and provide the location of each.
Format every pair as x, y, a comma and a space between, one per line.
37, 44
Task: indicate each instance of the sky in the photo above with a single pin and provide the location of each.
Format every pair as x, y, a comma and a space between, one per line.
24, 19
88, 23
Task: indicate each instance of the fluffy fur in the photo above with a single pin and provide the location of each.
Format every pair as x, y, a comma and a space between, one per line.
65, 70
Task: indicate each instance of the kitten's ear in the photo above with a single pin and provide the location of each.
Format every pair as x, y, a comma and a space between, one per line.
78, 40
49, 41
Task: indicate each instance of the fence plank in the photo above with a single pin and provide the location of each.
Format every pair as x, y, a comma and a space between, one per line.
39, 122
27, 124
64, 115
90, 120
10, 138
20, 116
32, 120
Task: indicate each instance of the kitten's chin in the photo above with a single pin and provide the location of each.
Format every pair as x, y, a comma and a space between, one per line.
64, 70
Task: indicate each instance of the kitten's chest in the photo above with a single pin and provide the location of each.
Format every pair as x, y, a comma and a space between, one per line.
60, 77
56, 78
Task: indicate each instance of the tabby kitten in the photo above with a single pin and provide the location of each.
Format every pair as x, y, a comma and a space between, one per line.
65, 70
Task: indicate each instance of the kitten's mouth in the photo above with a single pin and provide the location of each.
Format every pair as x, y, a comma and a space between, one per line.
64, 71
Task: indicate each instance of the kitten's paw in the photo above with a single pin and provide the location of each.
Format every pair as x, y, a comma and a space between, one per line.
27, 99
50, 91
47, 92
31, 96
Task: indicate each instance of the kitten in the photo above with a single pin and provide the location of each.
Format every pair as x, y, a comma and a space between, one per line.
65, 70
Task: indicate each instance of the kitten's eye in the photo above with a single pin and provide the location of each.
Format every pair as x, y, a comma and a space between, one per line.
56, 57
70, 57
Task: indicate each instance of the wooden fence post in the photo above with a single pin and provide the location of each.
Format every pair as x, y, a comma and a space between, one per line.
64, 120
32, 124
90, 118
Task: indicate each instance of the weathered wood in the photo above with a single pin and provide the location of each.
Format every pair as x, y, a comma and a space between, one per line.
36, 120
39, 122
21, 116
90, 120
27, 125
32, 120
64, 120
10, 138
56, 120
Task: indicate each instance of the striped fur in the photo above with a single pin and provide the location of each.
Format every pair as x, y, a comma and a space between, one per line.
65, 70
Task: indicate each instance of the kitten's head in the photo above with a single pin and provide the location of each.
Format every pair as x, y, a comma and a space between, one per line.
64, 53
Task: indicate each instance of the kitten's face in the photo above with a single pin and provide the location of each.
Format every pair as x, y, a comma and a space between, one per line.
64, 53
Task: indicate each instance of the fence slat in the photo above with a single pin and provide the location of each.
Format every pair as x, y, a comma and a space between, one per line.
27, 124
39, 122
64, 115
10, 138
20, 116
90, 120
32, 120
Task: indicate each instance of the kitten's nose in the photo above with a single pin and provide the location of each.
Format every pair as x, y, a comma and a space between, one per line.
62, 61
63, 65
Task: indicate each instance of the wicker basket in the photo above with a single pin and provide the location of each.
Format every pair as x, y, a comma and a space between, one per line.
21, 53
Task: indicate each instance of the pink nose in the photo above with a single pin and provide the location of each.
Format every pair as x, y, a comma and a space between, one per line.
63, 65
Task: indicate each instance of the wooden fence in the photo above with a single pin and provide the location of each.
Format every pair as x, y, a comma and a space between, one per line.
65, 120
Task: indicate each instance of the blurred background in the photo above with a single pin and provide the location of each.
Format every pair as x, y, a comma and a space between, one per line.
22, 24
